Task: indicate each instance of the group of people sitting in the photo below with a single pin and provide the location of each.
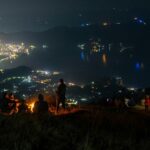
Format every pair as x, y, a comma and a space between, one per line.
40, 106
10, 105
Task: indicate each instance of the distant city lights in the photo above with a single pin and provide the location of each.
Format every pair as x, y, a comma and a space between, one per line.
104, 59
11, 51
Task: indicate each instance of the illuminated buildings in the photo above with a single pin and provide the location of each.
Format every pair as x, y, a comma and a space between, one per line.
95, 47
94, 50
11, 51
28, 83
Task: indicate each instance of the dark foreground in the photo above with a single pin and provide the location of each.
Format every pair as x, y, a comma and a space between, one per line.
84, 130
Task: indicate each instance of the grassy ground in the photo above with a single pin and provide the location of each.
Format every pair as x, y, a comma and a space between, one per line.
104, 129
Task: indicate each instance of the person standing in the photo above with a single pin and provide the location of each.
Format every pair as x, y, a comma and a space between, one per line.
61, 94
23, 108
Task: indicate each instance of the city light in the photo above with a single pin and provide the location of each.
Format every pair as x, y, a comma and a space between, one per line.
71, 84
105, 24
11, 51
104, 58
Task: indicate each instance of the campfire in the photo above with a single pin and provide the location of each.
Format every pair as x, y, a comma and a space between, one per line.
31, 106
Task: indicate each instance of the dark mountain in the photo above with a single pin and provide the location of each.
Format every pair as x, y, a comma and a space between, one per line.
125, 32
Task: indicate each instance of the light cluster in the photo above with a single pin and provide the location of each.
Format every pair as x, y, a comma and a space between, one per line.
11, 51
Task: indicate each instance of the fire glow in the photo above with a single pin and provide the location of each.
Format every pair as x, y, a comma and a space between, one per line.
31, 106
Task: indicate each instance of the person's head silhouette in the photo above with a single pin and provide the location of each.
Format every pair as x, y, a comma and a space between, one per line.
41, 97
61, 81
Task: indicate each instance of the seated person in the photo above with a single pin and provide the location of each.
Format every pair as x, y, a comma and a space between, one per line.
23, 108
5, 101
41, 106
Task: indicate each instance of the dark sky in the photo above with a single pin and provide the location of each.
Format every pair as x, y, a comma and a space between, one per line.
17, 15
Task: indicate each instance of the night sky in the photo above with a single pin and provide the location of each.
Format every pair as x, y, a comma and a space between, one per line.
37, 15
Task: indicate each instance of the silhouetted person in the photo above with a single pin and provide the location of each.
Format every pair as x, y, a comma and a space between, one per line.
5, 103
11, 96
23, 108
12, 103
61, 94
41, 106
